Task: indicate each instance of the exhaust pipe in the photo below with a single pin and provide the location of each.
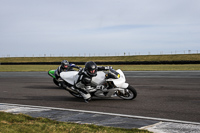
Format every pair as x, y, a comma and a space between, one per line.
71, 90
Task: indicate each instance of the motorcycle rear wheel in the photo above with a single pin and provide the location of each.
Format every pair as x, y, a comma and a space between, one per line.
55, 82
130, 93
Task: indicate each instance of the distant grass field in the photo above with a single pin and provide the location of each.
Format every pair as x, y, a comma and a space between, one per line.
183, 57
178, 57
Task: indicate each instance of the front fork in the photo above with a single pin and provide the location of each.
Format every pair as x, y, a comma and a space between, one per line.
123, 92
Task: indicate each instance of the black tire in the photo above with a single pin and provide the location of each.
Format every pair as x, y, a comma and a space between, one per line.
130, 93
55, 82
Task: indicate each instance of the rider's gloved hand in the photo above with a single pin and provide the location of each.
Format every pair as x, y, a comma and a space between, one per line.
108, 67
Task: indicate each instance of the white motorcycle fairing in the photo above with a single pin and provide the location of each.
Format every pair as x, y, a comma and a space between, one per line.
120, 82
70, 76
99, 79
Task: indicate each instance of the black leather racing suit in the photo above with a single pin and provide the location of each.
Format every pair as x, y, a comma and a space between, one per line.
84, 82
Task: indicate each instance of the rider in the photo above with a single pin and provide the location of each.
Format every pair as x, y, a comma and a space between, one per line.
65, 66
85, 78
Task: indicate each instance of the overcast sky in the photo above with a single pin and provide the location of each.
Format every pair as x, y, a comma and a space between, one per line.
98, 27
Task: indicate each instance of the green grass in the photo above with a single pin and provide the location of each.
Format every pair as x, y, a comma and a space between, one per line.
178, 57
181, 57
12, 123
28, 68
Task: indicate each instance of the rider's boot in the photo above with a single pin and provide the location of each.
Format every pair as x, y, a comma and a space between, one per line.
87, 100
86, 96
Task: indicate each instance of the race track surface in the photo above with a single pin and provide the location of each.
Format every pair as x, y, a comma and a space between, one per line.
170, 95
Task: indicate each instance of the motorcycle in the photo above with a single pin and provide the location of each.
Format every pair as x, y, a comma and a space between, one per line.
57, 81
52, 74
111, 83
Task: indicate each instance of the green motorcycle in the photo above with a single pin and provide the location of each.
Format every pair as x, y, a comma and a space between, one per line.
53, 75
57, 81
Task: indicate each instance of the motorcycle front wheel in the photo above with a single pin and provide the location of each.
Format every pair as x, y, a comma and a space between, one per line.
130, 93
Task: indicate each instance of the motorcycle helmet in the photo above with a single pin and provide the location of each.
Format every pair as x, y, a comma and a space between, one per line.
64, 64
91, 68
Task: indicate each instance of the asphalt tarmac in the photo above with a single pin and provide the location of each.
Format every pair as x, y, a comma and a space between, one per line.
163, 94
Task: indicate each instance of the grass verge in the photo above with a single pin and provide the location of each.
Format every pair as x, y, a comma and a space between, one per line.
27, 68
23, 123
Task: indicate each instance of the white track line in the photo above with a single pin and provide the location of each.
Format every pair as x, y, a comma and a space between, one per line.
104, 113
